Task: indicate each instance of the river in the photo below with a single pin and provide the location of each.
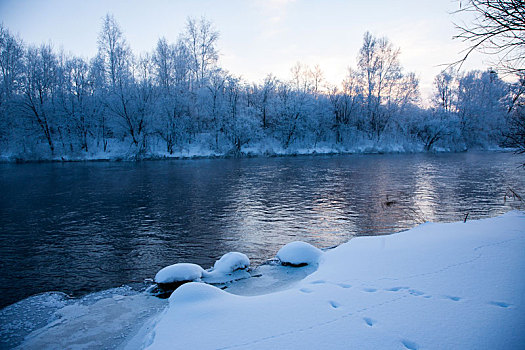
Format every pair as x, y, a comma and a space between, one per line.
85, 227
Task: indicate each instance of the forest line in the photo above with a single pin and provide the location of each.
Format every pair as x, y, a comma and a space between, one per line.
177, 100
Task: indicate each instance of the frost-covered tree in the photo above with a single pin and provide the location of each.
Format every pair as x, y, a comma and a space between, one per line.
114, 53
384, 84
76, 101
11, 71
292, 109
262, 98
437, 127
39, 86
481, 108
347, 106
11, 63
216, 103
200, 39
240, 126
118, 62
515, 135
96, 77
177, 97
171, 70
144, 99
497, 28
163, 61
444, 90
440, 124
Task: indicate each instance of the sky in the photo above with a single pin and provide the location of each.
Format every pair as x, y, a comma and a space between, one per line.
258, 37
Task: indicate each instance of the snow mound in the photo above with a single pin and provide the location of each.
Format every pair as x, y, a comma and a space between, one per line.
195, 292
299, 254
230, 267
179, 273
230, 262
461, 284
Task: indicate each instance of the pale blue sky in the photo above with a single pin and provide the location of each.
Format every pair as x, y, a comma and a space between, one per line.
258, 37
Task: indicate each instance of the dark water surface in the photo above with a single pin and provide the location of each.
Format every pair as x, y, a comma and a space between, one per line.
83, 227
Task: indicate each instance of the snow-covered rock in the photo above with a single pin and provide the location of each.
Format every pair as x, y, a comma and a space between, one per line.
299, 254
230, 262
230, 267
182, 272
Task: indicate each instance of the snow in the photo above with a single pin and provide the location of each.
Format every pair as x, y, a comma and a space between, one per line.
299, 253
230, 267
456, 285
230, 262
270, 278
179, 272
196, 292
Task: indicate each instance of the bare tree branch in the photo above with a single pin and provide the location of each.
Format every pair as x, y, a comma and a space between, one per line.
498, 28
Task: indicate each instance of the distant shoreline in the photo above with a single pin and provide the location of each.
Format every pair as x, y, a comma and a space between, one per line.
232, 155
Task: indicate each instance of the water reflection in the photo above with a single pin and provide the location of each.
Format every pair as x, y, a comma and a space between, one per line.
83, 227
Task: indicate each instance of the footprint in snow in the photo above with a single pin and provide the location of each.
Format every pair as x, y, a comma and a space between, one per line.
416, 292
410, 345
500, 304
318, 282
369, 321
344, 285
334, 304
305, 290
395, 289
370, 290
452, 298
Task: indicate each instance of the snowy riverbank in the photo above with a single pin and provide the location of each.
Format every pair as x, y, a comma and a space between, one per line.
121, 151
437, 286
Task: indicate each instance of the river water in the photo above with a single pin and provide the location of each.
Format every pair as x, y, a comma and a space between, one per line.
84, 227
